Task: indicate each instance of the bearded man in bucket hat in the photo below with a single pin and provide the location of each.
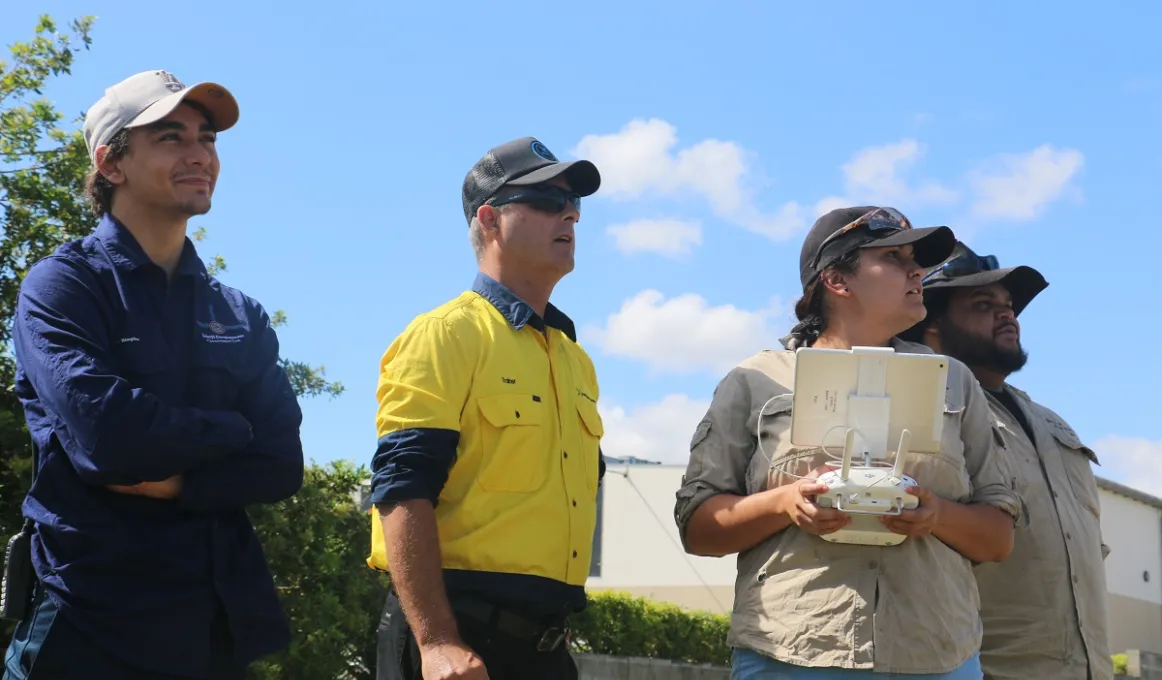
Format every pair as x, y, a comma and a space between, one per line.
158, 411
1044, 608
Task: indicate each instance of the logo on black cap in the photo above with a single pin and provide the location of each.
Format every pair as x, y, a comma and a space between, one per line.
543, 151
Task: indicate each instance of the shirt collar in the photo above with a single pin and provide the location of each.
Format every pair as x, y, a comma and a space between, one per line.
792, 343
126, 252
518, 312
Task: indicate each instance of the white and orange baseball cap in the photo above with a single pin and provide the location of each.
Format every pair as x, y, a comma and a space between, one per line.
146, 98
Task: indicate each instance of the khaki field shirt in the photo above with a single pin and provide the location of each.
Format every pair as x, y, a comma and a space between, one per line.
1044, 609
910, 608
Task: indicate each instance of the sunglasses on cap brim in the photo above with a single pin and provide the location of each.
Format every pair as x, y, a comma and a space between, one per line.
963, 265
878, 221
543, 197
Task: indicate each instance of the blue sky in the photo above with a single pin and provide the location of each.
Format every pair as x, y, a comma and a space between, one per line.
720, 135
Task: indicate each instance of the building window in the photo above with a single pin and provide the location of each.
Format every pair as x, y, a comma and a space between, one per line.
595, 562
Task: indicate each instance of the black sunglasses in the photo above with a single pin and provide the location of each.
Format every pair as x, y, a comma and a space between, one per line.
963, 265
543, 197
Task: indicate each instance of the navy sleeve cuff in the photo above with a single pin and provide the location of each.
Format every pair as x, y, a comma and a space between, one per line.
411, 464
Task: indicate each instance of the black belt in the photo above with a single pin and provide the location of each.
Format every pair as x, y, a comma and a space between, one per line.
546, 636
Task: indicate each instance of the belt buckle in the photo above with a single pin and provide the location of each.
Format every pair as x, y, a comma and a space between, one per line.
551, 638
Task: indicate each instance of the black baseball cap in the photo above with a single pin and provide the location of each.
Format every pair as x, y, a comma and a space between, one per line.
868, 226
523, 162
965, 269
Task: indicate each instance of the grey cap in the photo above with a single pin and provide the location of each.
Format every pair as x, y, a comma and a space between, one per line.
146, 98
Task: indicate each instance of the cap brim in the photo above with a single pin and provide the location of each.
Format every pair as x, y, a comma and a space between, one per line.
1023, 283
218, 101
930, 245
583, 176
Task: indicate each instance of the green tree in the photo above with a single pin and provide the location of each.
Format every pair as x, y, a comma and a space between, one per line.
314, 540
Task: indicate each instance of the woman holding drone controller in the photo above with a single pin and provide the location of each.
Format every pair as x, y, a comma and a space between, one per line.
806, 608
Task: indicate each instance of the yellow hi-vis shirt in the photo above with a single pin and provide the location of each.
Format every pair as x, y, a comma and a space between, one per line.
491, 412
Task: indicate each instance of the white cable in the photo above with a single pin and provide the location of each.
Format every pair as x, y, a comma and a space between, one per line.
771, 462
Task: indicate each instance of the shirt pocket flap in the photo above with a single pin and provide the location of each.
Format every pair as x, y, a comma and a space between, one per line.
778, 405
1066, 437
590, 417
954, 401
504, 410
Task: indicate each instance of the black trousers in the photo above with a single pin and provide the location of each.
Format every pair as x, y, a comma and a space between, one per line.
506, 656
45, 646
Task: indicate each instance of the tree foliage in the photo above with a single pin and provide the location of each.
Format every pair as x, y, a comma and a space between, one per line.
317, 544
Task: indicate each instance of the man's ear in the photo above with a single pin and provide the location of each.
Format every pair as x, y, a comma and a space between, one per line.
489, 217
109, 168
836, 282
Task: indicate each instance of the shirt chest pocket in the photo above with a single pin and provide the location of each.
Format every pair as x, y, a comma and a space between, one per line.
776, 461
514, 439
143, 359
592, 430
1076, 458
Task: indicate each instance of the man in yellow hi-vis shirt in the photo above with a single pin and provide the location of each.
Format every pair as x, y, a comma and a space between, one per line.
489, 459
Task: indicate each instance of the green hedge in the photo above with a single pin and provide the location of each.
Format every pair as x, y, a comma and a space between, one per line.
618, 624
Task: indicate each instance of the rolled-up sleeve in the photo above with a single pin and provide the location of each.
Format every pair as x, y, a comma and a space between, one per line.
988, 471
720, 450
424, 379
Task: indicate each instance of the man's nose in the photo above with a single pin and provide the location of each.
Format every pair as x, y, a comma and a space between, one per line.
197, 154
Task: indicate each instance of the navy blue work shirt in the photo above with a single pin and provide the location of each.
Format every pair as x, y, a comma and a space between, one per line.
125, 378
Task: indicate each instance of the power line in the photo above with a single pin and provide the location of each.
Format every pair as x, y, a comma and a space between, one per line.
673, 540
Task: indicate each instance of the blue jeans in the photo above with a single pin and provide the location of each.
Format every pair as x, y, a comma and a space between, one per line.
748, 665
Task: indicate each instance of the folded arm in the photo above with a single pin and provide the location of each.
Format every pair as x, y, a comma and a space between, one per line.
270, 468
112, 432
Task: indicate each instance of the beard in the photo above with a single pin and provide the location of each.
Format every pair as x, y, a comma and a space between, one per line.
977, 351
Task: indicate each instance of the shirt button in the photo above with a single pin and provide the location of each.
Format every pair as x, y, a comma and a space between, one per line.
574, 502
566, 454
575, 554
1074, 576
1068, 535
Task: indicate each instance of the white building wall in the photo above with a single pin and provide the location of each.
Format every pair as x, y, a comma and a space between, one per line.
639, 546
1133, 531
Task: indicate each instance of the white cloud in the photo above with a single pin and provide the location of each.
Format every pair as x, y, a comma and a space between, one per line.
668, 237
1133, 461
1018, 186
878, 175
659, 432
640, 160
685, 334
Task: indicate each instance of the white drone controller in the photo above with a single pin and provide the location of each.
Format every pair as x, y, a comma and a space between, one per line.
867, 492
876, 398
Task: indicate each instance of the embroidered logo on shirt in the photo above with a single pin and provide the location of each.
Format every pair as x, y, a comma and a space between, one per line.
219, 331
131, 339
